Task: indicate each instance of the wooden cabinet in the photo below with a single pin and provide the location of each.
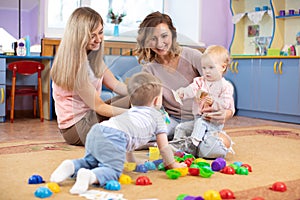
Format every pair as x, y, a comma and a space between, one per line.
267, 88
277, 31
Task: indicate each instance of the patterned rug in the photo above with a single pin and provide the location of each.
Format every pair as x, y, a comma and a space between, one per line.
273, 153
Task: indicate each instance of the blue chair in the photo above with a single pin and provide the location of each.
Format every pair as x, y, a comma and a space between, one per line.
122, 67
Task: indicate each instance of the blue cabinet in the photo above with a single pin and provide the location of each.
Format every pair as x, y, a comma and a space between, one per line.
280, 86
2, 89
267, 88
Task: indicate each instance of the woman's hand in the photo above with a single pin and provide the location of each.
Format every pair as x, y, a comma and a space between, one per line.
216, 116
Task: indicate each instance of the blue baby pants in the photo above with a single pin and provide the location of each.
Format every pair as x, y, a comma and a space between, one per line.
105, 153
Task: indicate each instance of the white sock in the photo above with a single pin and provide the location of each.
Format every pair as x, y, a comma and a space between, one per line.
85, 177
195, 142
63, 171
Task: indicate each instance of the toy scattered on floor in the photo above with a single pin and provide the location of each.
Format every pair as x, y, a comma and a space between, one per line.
141, 168
143, 180
212, 195
242, 171
112, 185
218, 164
173, 174
153, 153
97, 194
183, 171
35, 179
54, 187
279, 187
257, 198
42, 192
125, 179
150, 165
228, 170
188, 197
206, 172
247, 166
129, 166
194, 170
157, 162
226, 194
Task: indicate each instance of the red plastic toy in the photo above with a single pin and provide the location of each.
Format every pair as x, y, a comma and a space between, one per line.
228, 170
226, 194
143, 180
279, 187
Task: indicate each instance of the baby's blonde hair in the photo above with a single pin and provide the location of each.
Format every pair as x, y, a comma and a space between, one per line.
216, 54
143, 88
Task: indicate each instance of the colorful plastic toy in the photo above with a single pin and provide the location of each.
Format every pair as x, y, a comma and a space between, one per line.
161, 167
153, 153
143, 180
181, 196
183, 171
212, 195
173, 174
54, 187
205, 172
228, 170
188, 161
247, 166
193, 198
179, 154
141, 168
234, 166
194, 170
218, 164
150, 165
35, 179
125, 179
157, 162
112, 185
199, 160
279, 187
226, 194
238, 163
42, 192
242, 171
257, 198
129, 166
203, 164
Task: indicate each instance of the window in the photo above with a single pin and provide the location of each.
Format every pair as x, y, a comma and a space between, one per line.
57, 13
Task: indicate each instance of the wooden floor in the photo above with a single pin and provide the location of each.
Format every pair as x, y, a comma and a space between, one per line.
28, 128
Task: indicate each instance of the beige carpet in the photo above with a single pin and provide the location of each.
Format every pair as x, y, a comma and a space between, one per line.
272, 152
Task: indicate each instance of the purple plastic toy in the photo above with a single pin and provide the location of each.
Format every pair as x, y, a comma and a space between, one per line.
218, 164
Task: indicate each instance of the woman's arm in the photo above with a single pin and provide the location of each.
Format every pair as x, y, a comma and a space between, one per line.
217, 116
91, 97
110, 81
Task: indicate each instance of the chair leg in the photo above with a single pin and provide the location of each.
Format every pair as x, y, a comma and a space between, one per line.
34, 105
40, 97
12, 102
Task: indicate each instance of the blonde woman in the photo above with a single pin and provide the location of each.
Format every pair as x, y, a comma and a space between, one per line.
78, 73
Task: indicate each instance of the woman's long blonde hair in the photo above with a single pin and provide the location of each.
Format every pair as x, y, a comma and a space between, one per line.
70, 66
145, 33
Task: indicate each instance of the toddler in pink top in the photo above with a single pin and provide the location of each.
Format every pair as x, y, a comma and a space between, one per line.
211, 89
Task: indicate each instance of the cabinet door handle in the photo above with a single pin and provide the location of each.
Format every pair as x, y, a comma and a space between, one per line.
231, 67
274, 67
280, 67
235, 67
2, 95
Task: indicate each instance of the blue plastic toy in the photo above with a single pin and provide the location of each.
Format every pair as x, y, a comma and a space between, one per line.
150, 165
43, 192
35, 179
141, 168
112, 185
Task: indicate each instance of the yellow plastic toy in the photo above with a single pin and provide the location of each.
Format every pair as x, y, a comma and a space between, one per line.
54, 187
212, 195
183, 171
129, 166
125, 179
153, 153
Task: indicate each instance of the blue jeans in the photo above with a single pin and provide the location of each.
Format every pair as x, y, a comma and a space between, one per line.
105, 153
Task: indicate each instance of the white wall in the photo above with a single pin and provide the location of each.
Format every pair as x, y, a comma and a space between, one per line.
186, 17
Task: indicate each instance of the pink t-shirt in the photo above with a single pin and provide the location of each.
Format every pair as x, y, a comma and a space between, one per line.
186, 71
69, 106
